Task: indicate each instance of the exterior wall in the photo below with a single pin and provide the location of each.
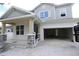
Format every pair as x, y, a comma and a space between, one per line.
68, 12
50, 9
21, 39
56, 25
53, 11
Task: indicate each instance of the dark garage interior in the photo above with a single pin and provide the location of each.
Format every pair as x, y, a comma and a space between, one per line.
58, 33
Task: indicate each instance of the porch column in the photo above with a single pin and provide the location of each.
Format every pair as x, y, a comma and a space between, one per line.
41, 33
3, 28
31, 26
56, 32
73, 35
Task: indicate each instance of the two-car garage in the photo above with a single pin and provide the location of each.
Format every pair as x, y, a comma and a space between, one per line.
57, 29
58, 33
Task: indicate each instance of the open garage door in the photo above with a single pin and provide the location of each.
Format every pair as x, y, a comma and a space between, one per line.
58, 33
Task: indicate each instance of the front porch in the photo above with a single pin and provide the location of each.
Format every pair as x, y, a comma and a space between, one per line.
22, 27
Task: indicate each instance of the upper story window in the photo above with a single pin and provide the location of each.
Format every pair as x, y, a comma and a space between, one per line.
44, 14
63, 12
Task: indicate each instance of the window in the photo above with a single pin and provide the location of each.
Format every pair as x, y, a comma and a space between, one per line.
17, 30
63, 12
44, 14
8, 30
20, 30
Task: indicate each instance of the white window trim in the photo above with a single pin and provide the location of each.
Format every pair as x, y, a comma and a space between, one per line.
43, 11
63, 10
19, 29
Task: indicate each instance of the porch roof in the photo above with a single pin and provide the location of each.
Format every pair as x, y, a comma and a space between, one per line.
16, 13
15, 18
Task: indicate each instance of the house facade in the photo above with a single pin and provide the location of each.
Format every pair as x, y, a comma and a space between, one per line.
49, 20
57, 21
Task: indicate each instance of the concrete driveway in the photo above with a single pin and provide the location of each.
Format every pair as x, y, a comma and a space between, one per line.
55, 47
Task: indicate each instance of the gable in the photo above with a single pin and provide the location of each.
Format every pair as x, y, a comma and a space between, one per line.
43, 4
45, 11
15, 12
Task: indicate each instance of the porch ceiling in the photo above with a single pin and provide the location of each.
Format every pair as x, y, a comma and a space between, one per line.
15, 20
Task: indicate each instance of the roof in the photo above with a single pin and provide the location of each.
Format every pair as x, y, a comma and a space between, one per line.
43, 4
52, 4
17, 9
65, 4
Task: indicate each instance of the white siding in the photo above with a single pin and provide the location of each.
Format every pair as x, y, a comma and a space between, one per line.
58, 25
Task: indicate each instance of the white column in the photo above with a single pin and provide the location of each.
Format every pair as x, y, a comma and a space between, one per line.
41, 33
31, 26
73, 35
3, 28
56, 32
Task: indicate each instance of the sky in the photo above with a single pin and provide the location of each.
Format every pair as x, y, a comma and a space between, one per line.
31, 4
3, 9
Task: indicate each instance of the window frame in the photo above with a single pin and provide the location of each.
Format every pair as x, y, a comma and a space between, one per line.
44, 14
63, 15
20, 30
63, 11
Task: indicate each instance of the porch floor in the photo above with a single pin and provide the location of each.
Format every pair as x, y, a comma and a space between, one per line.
48, 47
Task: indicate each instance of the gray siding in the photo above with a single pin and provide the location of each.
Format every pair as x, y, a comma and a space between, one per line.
68, 12
53, 11
50, 9
15, 14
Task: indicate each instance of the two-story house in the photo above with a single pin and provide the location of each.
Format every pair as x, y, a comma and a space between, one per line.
49, 20
57, 21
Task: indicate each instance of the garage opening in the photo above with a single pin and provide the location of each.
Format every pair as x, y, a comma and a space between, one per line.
58, 33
